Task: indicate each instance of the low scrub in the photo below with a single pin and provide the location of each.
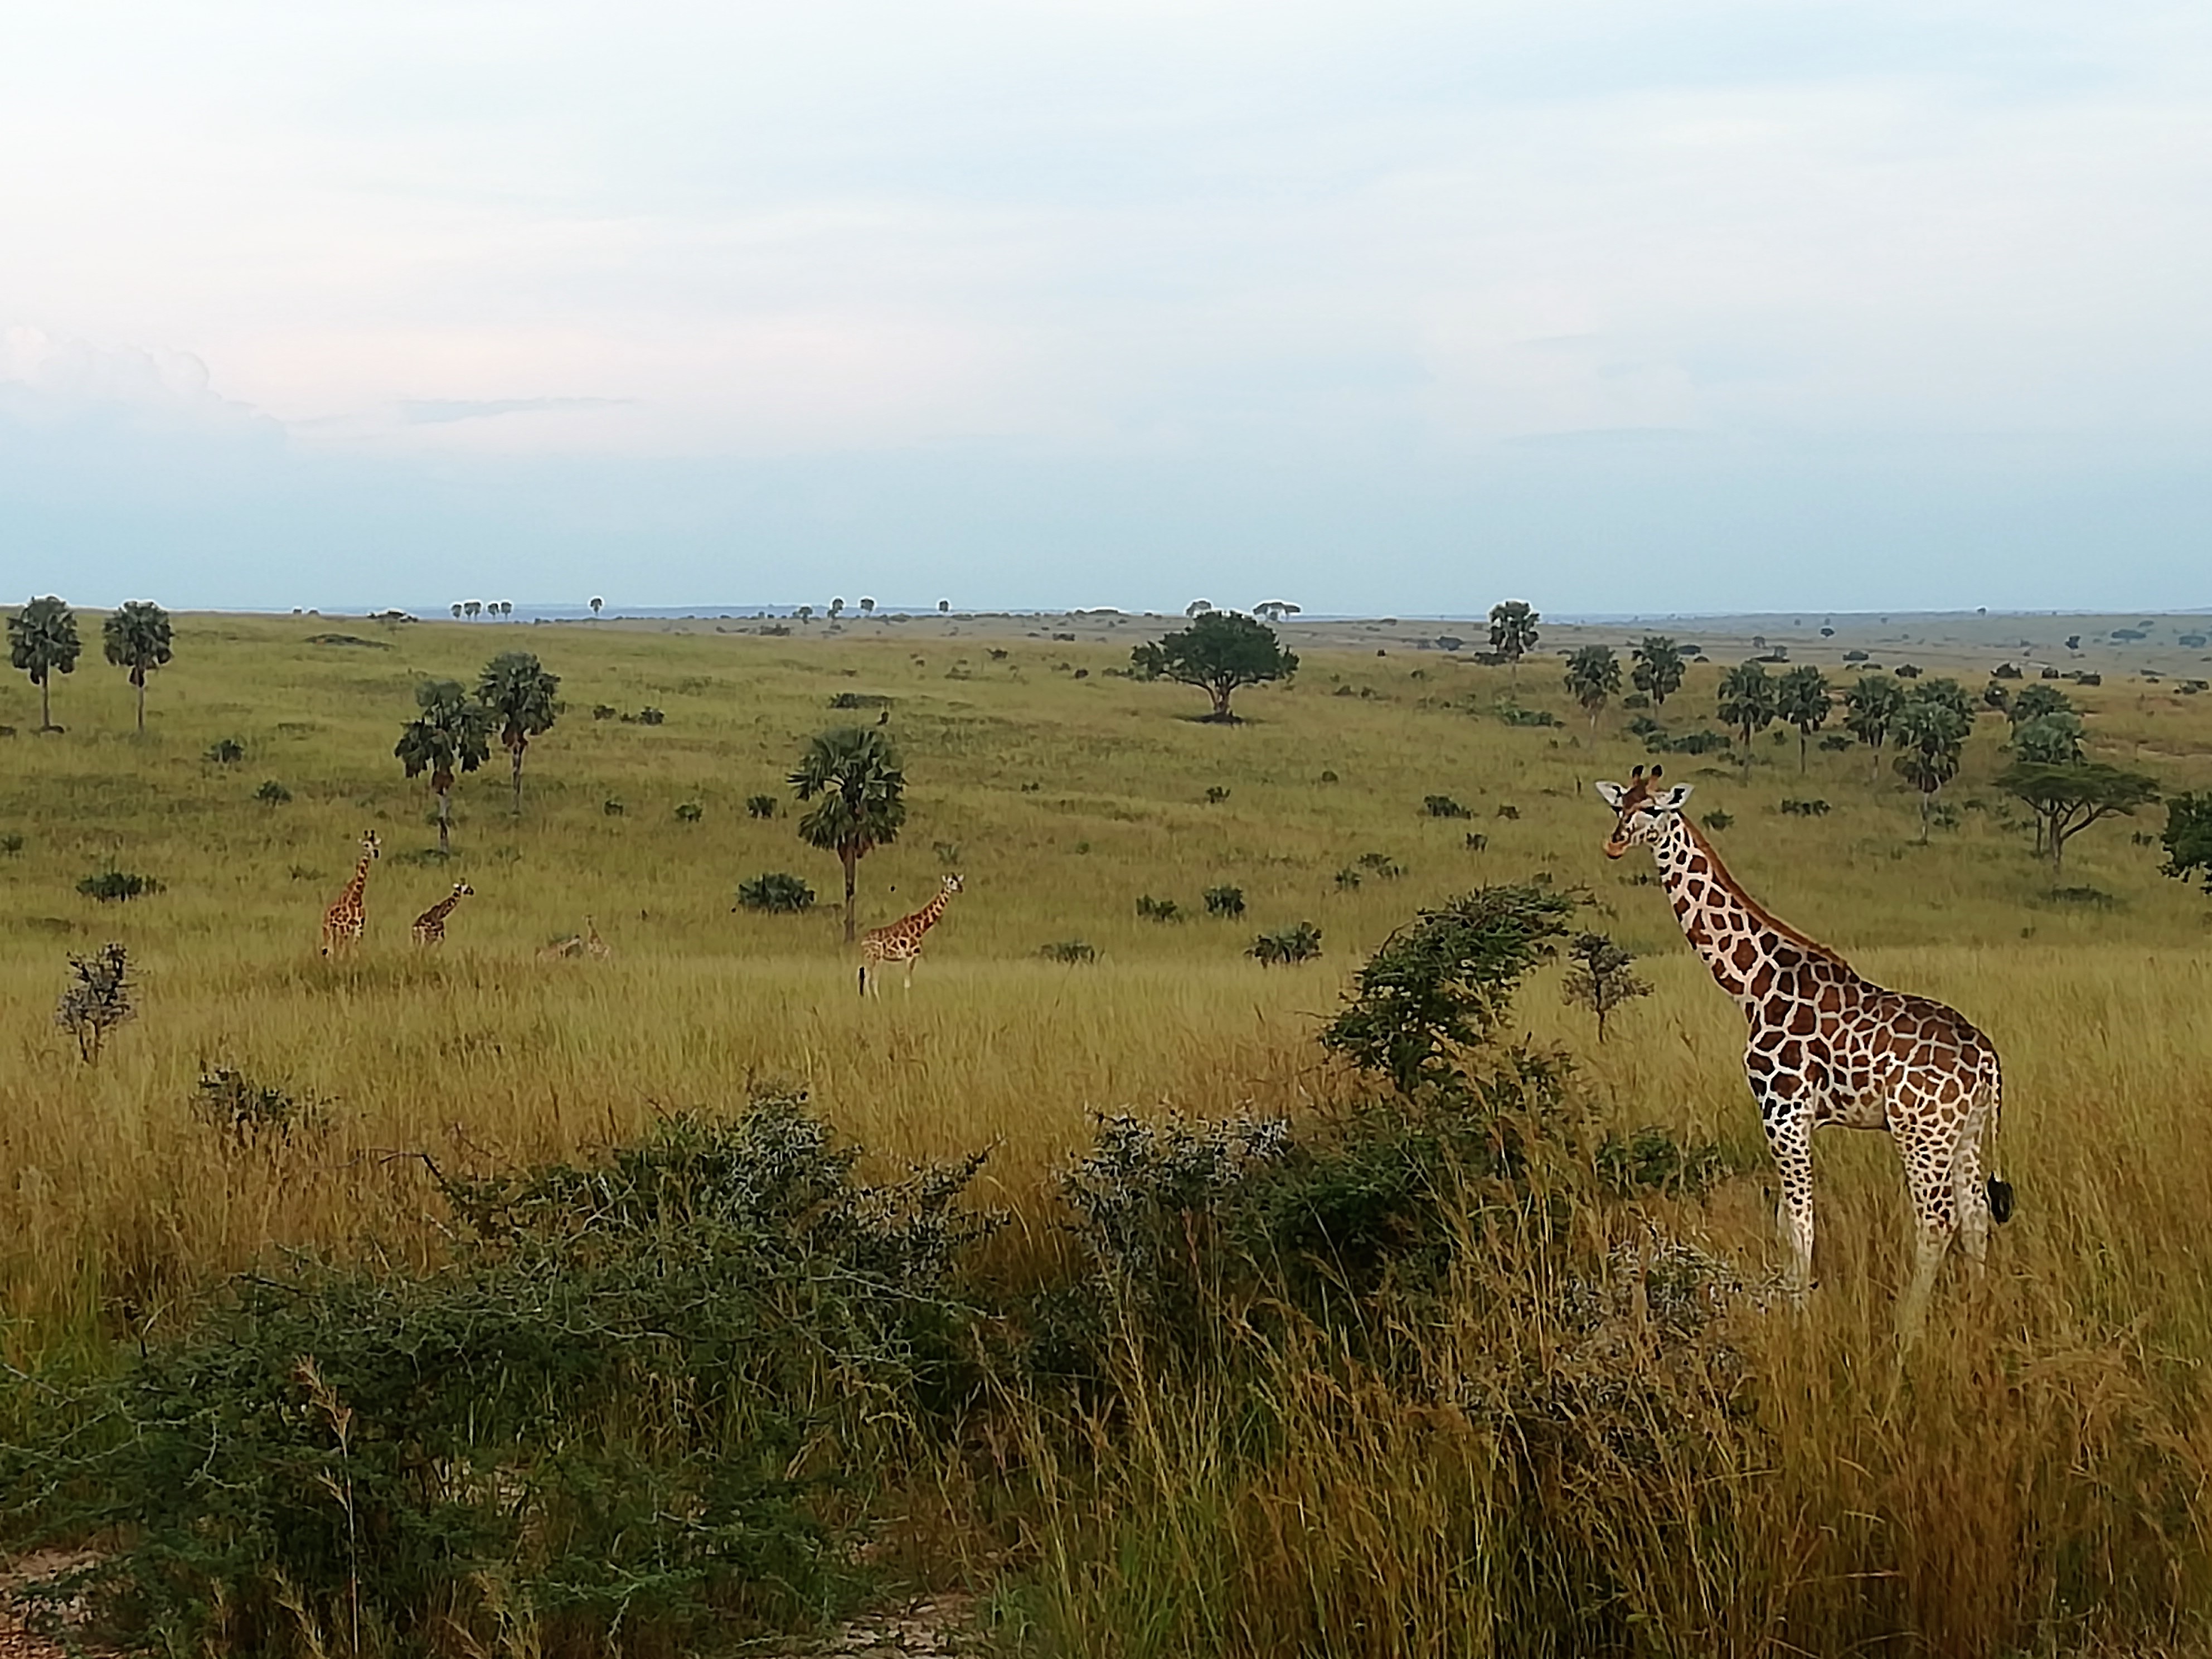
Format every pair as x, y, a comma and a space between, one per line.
115, 886
775, 892
1286, 946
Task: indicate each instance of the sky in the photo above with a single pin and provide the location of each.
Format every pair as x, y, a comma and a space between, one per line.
1617, 306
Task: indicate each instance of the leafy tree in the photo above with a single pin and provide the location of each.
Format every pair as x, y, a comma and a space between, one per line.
98, 999
2053, 739
519, 694
1747, 699
851, 775
837, 609
867, 607
1513, 632
1870, 710
1593, 677
2068, 798
805, 614
1219, 651
1802, 698
1931, 730
2034, 702
596, 603
137, 637
1660, 666
1443, 983
944, 607
457, 610
473, 609
2188, 837
1197, 608
451, 734
1601, 977
42, 641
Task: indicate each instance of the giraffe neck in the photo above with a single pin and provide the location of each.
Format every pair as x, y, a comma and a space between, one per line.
359, 880
925, 918
1732, 931
444, 906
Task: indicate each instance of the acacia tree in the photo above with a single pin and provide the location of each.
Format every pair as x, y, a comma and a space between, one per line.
42, 641
2068, 798
137, 637
1870, 711
1601, 977
1593, 677
1659, 668
2187, 837
1219, 651
1513, 633
1746, 700
1931, 731
451, 734
1801, 698
851, 775
521, 696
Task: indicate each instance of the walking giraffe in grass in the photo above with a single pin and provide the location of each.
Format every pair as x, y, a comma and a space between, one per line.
902, 940
1829, 1046
430, 925
342, 921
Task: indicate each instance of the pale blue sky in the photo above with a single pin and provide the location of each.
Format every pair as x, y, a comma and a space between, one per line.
1619, 304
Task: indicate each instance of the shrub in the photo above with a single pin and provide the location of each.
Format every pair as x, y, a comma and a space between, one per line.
1513, 714
776, 893
1327, 777
97, 1000
1443, 807
761, 806
859, 700
1476, 841
604, 711
273, 792
1601, 977
612, 808
690, 811
1636, 700
649, 715
1716, 819
1224, 900
1157, 909
1347, 879
948, 852
1805, 809
1508, 811
1649, 1159
1705, 741
115, 886
1382, 864
1215, 794
1069, 951
225, 751
1288, 945
12, 843
251, 1115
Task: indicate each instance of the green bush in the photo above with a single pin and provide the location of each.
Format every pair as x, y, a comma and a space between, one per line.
775, 892
1286, 946
1158, 909
273, 792
1225, 901
115, 886
761, 806
690, 811
250, 1113
226, 750
1070, 950
1443, 807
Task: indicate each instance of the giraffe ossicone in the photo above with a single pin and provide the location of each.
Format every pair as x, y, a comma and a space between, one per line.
902, 940
1828, 1045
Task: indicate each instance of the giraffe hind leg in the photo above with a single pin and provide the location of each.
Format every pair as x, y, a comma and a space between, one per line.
1931, 1160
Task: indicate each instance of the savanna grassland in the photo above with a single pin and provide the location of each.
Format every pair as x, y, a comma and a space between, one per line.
2033, 1477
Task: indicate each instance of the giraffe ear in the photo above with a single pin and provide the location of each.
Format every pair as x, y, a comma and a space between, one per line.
1611, 794
1672, 801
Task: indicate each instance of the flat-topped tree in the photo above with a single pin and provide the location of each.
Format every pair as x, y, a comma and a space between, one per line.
1660, 666
451, 735
1220, 651
2070, 796
136, 636
42, 641
851, 775
521, 696
1513, 633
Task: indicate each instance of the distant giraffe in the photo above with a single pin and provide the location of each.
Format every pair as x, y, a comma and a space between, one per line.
586, 944
595, 947
342, 921
1828, 1046
430, 925
902, 940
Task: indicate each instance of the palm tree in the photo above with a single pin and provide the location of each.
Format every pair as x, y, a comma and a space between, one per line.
1870, 711
1513, 633
867, 607
1801, 698
137, 637
474, 608
42, 641
836, 606
595, 604
1659, 668
1746, 700
1593, 677
519, 694
457, 611
451, 734
854, 771
1932, 732
804, 613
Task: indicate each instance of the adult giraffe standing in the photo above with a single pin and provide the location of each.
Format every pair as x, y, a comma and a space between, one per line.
343, 921
902, 940
1829, 1046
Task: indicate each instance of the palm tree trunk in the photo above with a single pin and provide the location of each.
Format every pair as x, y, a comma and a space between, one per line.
141, 680
445, 822
46, 704
1924, 799
517, 752
1802, 735
852, 861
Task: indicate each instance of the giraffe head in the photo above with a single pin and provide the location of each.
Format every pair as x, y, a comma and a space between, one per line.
1645, 810
369, 844
462, 890
951, 883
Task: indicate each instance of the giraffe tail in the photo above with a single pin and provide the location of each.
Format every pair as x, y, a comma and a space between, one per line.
864, 979
1998, 1188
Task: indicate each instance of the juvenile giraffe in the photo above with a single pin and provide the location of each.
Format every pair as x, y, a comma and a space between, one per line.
1828, 1046
342, 921
430, 925
902, 940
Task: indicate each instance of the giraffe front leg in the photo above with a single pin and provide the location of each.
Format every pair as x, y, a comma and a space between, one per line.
906, 984
1790, 1138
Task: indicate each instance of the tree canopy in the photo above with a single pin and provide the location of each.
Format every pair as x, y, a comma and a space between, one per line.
451, 734
1220, 651
1660, 666
2052, 739
2068, 797
136, 636
1593, 677
853, 776
2188, 837
1801, 697
1870, 710
1513, 631
1931, 734
42, 641
521, 696
1747, 699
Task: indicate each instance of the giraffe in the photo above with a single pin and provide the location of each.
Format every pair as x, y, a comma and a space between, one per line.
902, 940
430, 925
1828, 1046
595, 947
342, 922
